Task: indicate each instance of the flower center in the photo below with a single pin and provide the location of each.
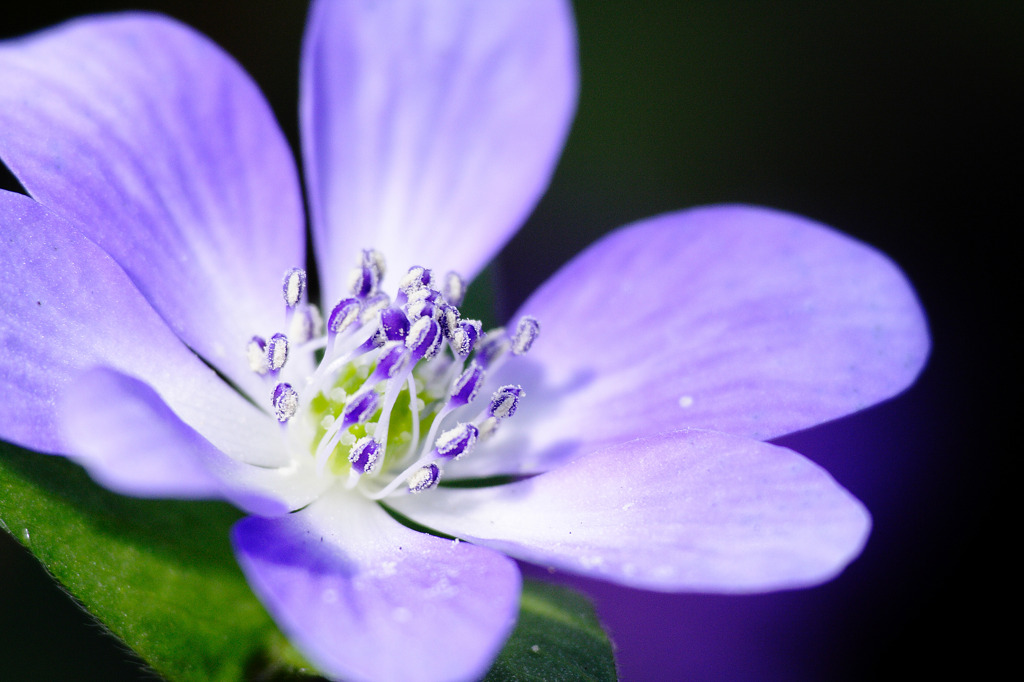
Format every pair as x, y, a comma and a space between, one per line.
386, 393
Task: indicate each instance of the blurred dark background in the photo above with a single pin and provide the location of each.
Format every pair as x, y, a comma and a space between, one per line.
894, 122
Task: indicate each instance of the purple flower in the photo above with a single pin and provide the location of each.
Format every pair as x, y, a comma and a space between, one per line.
164, 226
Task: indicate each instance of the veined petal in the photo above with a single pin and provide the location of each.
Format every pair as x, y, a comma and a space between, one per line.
130, 441
156, 144
69, 307
729, 318
365, 598
430, 129
688, 510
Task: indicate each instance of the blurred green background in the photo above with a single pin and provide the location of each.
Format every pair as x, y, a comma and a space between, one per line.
893, 122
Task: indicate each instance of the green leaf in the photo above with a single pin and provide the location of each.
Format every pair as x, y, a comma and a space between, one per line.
162, 577
159, 574
558, 637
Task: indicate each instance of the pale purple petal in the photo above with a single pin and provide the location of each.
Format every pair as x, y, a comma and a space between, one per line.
689, 510
430, 129
130, 441
731, 318
365, 598
151, 140
69, 307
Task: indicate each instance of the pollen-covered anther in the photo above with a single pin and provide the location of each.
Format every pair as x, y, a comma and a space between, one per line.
424, 338
373, 304
294, 286
256, 351
344, 315
394, 325
454, 289
486, 428
277, 352
424, 478
365, 455
505, 401
526, 333
457, 441
359, 408
467, 386
465, 336
492, 346
307, 323
374, 259
417, 277
285, 401
393, 358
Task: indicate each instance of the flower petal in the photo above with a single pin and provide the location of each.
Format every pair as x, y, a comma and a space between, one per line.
69, 307
131, 442
729, 318
688, 510
151, 140
365, 598
430, 129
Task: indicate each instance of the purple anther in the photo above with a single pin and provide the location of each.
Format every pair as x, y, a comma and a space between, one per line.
467, 385
456, 442
424, 479
464, 338
394, 325
505, 401
454, 288
392, 360
449, 317
364, 455
359, 408
422, 303
256, 352
526, 333
306, 324
363, 281
294, 286
277, 352
418, 277
285, 401
373, 305
424, 338
492, 346
374, 259
344, 315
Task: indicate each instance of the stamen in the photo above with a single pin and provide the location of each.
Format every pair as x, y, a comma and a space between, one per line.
256, 350
505, 401
465, 336
277, 352
424, 479
360, 408
417, 278
285, 401
526, 333
344, 315
456, 442
494, 345
369, 368
306, 324
374, 259
424, 338
365, 455
454, 288
394, 325
392, 360
467, 386
294, 287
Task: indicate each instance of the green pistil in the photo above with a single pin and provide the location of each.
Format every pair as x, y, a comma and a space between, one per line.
350, 380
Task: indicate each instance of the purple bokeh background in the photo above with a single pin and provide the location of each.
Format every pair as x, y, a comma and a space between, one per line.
888, 122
